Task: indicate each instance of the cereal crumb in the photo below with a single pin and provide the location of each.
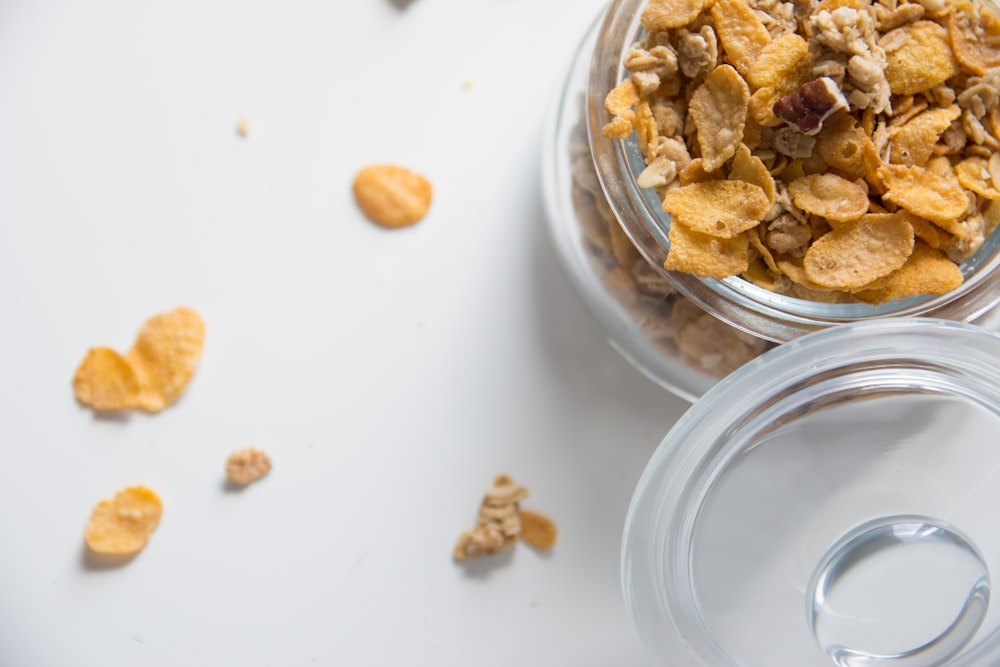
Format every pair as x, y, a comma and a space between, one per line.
121, 526
392, 196
247, 465
499, 523
243, 126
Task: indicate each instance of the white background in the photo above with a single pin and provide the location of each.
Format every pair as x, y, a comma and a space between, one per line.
390, 374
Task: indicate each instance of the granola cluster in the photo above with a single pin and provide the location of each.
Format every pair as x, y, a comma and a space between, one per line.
833, 150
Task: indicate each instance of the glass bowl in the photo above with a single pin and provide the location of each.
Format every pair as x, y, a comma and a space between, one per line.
683, 332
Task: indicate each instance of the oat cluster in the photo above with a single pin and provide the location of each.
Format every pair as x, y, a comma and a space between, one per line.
833, 150
502, 522
245, 466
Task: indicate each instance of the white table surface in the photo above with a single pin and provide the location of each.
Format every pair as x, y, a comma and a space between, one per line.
390, 374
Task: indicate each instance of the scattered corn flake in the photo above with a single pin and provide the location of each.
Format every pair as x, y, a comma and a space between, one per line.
155, 371
974, 174
105, 380
165, 355
718, 208
706, 256
741, 32
247, 465
926, 271
666, 14
924, 193
538, 530
829, 196
121, 526
719, 108
392, 196
852, 256
919, 57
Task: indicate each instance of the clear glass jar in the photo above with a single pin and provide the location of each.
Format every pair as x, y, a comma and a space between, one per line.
834, 501
683, 332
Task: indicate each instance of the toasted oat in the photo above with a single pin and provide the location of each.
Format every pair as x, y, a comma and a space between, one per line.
247, 465
499, 523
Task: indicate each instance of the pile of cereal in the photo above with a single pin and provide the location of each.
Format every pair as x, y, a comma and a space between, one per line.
840, 150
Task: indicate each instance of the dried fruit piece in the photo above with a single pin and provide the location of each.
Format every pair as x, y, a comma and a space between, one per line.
852, 256
122, 526
537, 530
499, 523
718, 208
165, 356
392, 196
706, 256
719, 109
247, 465
105, 380
741, 32
829, 196
919, 57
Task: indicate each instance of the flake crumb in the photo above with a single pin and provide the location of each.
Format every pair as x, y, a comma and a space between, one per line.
243, 126
501, 523
245, 466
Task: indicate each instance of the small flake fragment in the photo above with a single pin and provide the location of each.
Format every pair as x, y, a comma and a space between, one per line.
122, 526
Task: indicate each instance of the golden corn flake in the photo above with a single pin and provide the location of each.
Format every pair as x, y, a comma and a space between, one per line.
622, 98
537, 530
665, 14
841, 145
926, 271
750, 169
165, 356
718, 208
122, 526
780, 62
392, 196
619, 127
106, 380
829, 196
913, 142
975, 38
852, 256
706, 256
974, 174
929, 233
247, 465
741, 32
924, 193
155, 371
695, 172
719, 108
920, 59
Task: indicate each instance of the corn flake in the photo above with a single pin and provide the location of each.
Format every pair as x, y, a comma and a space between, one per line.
706, 256
924, 193
919, 57
741, 32
974, 174
718, 208
122, 526
392, 196
779, 62
751, 169
829, 196
913, 141
665, 14
105, 380
852, 256
719, 108
165, 355
975, 38
926, 271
